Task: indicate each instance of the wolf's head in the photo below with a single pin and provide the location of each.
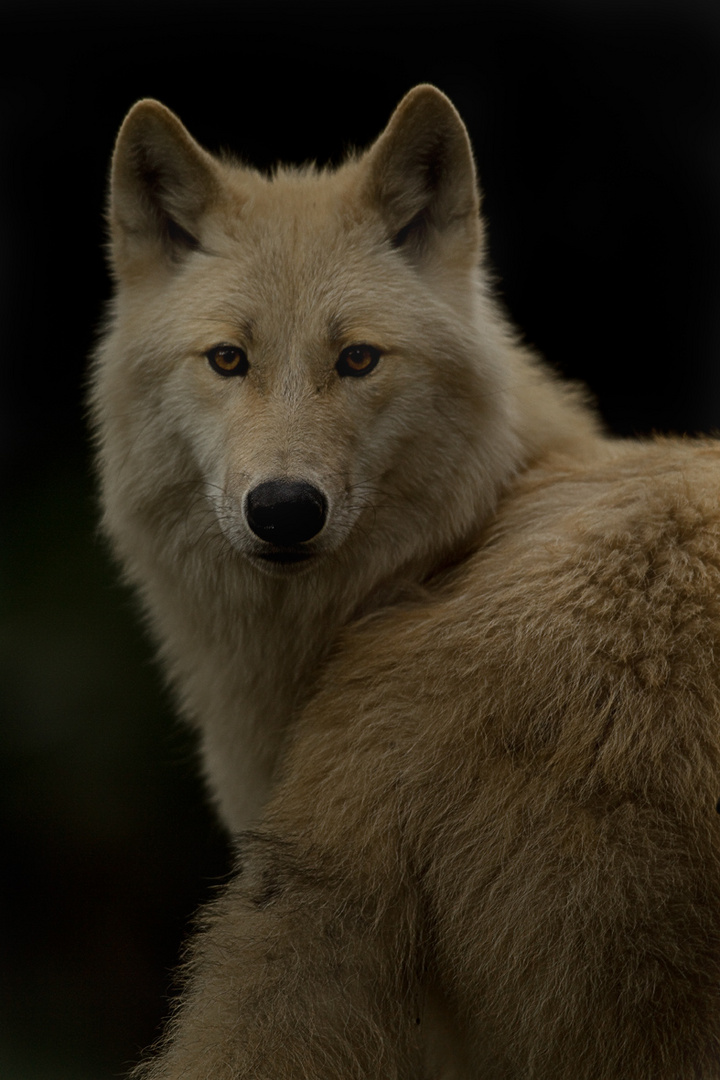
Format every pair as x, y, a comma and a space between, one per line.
305, 369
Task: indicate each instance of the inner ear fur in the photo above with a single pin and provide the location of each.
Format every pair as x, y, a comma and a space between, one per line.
421, 174
162, 182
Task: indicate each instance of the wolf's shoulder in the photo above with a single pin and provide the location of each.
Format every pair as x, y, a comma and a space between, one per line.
610, 560
637, 525
630, 496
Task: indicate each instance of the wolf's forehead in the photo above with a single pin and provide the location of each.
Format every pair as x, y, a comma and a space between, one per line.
294, 256
289, 280
301, 218
289, 309
298, 273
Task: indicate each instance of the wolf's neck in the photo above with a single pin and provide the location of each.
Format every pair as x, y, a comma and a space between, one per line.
244, 657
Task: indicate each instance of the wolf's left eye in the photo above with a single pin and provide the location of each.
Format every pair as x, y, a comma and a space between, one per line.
357, 360
228, 360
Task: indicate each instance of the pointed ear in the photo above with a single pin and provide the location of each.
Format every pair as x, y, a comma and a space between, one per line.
161, 184
421, 176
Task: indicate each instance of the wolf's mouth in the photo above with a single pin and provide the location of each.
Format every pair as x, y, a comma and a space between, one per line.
284, 557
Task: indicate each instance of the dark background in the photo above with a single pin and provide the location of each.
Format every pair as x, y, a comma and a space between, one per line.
597, 132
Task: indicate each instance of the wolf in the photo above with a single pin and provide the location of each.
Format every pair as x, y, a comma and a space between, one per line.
450, 649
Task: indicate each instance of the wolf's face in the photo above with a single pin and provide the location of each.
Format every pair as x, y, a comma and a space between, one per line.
300, 353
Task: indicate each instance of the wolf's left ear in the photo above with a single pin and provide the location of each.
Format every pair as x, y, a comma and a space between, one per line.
421, 176
162, 182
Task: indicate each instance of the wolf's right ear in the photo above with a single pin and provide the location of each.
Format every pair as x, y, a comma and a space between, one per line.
162, 182
421, 177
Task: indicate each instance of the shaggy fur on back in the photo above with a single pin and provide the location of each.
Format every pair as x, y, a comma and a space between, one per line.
466, 731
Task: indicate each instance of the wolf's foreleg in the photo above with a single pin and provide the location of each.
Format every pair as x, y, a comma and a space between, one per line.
293, 976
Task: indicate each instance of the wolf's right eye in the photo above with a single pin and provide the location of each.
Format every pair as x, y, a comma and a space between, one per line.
228, 360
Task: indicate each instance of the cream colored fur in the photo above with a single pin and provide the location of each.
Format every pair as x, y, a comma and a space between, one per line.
488, 701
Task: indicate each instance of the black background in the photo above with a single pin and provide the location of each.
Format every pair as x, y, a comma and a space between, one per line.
597, 135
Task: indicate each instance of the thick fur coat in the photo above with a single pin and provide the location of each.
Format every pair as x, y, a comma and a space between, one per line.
463, 643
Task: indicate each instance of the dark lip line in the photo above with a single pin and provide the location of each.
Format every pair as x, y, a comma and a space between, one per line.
284, 557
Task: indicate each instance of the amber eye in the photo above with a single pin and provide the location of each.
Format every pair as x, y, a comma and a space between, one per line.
228, 360
357, 360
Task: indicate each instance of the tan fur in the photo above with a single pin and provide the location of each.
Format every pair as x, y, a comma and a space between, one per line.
492, 850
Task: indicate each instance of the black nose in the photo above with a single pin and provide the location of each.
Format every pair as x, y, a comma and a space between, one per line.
285, 512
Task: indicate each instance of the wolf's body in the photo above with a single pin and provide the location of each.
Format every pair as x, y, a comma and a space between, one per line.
381, 544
